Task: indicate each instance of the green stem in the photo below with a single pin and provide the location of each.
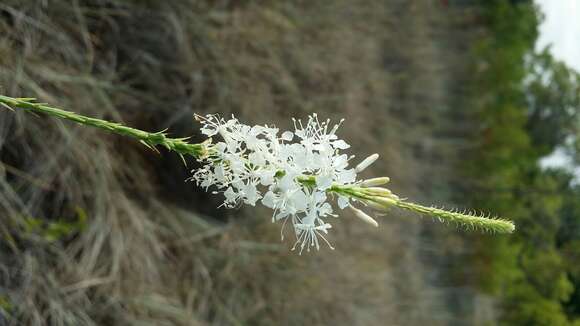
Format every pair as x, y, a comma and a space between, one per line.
471, 221
149, 139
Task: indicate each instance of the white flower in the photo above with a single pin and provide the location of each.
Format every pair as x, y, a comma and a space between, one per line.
290, 173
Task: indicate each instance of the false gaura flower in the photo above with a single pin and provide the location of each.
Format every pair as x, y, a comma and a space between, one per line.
299, 174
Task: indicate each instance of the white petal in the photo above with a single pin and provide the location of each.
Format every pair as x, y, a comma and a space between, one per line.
287, 135
287, 182
340, 162
324, 182
346, 176
257, 159
340, 144
220, 173
230, 195
325, 210
343, 202
266, 177
299, 201
251, 194
269, 200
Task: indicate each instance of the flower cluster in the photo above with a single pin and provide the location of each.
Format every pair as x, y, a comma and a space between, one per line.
294, 173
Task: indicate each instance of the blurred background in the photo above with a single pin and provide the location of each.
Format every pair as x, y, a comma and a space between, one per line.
464, 100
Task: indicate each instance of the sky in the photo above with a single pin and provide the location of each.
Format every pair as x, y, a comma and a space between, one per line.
561, 30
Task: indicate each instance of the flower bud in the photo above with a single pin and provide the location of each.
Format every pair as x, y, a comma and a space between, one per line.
363, 216
384, 201
366, 162
375, 206
375, 182
378, 191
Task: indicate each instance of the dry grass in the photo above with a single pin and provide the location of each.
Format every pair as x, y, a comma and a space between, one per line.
155, 250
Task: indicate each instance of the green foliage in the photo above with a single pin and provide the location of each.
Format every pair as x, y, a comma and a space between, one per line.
553, 99
56, 229
5, 304
528, 104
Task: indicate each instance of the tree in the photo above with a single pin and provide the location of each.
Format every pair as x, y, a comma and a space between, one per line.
553, 101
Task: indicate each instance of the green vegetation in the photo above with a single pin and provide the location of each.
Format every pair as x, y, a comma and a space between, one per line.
528, 104
54, 230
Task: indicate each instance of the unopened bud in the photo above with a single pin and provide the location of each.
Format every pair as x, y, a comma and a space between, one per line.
375, 182
378, 191
363, 216
375, 206
384, 201
366, 162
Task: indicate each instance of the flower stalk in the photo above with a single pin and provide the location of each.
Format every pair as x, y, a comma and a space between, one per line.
149, 139
295, 174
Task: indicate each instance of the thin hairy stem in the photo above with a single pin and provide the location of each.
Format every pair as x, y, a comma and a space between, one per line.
149, 139
467, 220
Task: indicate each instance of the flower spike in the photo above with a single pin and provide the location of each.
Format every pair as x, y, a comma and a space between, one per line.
298, 174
